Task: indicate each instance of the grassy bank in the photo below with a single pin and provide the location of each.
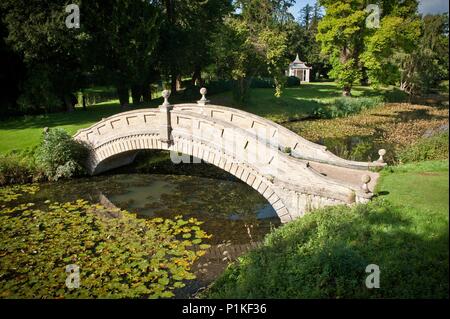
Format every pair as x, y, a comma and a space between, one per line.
323, 255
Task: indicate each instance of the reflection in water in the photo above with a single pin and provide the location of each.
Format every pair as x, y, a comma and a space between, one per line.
234, 214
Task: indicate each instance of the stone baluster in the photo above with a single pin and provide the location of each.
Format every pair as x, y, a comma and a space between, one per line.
203, 101
164, 118
381, 152
365, 186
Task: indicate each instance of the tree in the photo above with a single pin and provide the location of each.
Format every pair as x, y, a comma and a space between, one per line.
306, 15
357, 50
402, 50
302, 40
12, 72
50, 51
341, 33
121, 45
252, 43
187, 31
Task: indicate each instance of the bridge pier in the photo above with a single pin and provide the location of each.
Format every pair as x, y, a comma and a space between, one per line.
165, 128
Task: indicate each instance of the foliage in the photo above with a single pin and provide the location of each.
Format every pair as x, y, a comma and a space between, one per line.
292, 81
59, 155
359, 52
296, 103
340, 34
346, 106
125, 36
38, 33
119, 256
12, 72
427, 65
39, 93
325, 253
302, 40
426, 149
186, 38
392, 126
253, 44
12, 193
19, 167
382, 56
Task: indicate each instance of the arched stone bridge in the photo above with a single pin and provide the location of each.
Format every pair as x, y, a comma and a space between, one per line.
293, 174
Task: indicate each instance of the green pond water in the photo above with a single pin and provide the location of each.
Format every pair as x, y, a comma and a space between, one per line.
234, 214
228, 208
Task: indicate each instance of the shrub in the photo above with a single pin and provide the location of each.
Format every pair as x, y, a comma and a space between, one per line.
13, 169
218, 86
345, 106
39, 94
426, 149
262, 83
324, 255
19, 167
60, 156
292, 81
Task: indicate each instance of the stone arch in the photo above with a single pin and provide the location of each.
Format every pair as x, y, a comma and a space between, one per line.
122, 151
307, 174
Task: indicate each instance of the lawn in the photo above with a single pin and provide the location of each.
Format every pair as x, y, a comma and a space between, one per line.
298, 103
323, 255
23, 132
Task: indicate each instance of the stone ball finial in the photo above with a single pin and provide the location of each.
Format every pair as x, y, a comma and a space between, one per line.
203, 100
165, 95
365, 179
381, 152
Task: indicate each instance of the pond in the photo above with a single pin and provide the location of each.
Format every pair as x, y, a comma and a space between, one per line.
234, 214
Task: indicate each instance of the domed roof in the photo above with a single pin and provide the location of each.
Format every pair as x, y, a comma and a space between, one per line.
298, 64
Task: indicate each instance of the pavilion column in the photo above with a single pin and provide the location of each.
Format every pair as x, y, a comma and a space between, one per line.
307, 75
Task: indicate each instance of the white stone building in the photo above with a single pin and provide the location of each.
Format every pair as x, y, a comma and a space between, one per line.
299, 69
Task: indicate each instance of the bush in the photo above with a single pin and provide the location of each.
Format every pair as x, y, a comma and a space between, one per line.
292, 81
262, 83
324, 255
39, 94
14, 169
426, 149
218, 86
60, 156
345, 106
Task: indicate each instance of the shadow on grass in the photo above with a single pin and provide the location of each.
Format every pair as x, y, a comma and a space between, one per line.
78, 117
325, 254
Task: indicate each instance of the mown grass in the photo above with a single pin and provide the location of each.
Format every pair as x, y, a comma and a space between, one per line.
324, 254
23, 132
298, 103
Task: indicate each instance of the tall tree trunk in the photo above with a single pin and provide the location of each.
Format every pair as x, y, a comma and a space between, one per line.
170, 11
122, 92
179, 83
347, 90
84, 103
68, 101
136, 94
345, 56
173, 82
147, 93
197, 76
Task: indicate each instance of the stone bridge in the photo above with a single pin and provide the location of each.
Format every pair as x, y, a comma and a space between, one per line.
293, 174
